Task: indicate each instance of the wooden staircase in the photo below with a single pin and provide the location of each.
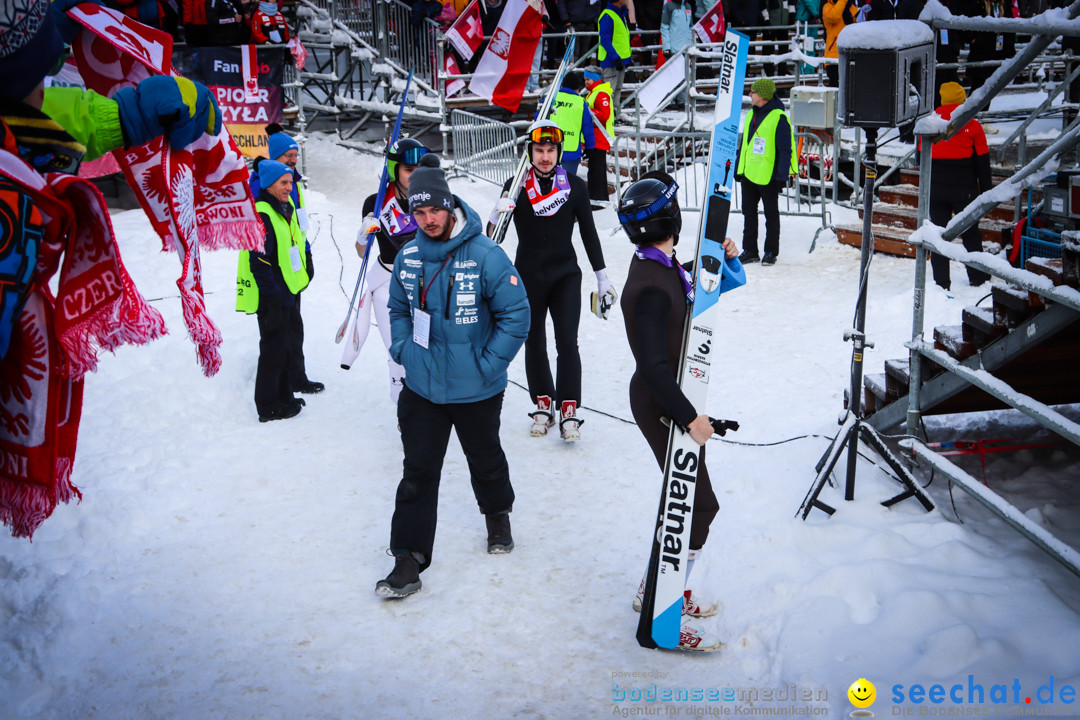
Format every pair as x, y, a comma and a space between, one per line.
1035, 358
895, 215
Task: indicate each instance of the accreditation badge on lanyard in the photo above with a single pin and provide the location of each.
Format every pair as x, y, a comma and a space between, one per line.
759, 145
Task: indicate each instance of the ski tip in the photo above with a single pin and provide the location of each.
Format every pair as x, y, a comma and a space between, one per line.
345, 367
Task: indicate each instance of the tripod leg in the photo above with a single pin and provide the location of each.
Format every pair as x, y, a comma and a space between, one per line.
872, 439
825, 467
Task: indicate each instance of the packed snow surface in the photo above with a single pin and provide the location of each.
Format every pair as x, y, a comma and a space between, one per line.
222, 568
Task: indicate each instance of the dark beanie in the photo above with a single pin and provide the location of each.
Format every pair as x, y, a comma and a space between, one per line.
30, 45
428, 187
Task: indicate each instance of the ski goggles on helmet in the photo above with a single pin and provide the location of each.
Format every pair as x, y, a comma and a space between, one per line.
412, 155
648, 211
546, 135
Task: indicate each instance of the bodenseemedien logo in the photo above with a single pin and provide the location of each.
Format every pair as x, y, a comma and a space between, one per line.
862, 695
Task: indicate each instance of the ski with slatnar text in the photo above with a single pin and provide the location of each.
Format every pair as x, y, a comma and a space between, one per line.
661, 611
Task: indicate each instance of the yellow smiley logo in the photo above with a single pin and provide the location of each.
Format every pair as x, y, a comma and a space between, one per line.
862, 693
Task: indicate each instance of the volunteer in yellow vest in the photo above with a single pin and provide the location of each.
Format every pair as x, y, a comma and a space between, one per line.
765, 163
571, 114
603, 117
613, 53
281, 147
267, 285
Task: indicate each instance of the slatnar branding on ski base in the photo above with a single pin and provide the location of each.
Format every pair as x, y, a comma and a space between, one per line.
684, 475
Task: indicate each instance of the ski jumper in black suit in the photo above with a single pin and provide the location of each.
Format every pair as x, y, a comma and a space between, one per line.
549, 268
654, 308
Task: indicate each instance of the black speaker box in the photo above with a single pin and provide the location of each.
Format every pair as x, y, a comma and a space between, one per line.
885, 87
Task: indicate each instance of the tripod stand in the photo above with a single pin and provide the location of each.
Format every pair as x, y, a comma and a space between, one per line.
853, 427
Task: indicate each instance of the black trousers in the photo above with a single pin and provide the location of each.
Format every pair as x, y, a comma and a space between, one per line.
425, 432
647, 413
941, 212
769, 197
563, 299
272, 386
297, 372
598, 187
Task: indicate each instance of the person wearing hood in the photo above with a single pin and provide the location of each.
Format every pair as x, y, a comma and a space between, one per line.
268, 285
458, 316
959, 170
766, 161
283, 149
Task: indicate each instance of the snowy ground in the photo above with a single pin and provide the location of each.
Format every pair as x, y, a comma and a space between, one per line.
220, 568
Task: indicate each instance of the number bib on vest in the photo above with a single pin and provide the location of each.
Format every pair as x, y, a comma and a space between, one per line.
547, 205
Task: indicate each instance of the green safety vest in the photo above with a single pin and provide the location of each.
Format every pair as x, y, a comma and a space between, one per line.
568, 115
757, 157
288, 236
620, 37
609, 124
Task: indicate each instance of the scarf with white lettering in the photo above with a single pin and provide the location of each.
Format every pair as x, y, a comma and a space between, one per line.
63, 225
545, 205
196, 196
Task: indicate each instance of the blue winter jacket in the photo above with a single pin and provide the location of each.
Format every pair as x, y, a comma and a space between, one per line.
677, 26
478, 308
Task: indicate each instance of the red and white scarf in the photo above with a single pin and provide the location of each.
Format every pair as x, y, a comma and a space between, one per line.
194, 196
57, 340
549, 203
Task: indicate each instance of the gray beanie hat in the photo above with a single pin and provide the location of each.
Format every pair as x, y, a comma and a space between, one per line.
428, 187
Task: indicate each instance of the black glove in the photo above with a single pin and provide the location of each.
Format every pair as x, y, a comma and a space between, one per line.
310, 267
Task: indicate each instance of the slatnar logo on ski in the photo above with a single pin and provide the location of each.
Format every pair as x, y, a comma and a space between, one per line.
727, 68
684, 474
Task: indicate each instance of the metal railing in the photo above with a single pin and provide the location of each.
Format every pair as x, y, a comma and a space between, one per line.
483, 147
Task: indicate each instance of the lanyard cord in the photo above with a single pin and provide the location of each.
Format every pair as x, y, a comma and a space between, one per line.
425, 288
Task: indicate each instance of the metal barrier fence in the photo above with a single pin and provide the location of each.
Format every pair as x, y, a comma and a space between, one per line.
680, 154
483, 147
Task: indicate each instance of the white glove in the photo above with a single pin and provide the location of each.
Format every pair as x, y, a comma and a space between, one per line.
502, 205
603, 285
367, 226
604, 298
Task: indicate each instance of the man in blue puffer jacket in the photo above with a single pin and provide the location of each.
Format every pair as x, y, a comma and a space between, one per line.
458, 316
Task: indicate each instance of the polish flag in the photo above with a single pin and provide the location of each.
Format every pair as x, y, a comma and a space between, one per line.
453, 86
467, 32
505, 66
711, 27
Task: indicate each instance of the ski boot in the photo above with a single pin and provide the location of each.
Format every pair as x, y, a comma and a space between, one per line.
570, 423
542, 418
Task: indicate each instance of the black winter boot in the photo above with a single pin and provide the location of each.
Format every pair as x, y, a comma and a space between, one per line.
499, 539
403, 580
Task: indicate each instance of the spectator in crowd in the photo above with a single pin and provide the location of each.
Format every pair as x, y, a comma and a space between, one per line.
777, 14
160, 14
766, 162
948, 44
268, 26
571, 113
490, 14
959, 170
744, 13
214, 22
836, 15
613, 53
807, 11
677, 31
603, 118
582, 16
987, 46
